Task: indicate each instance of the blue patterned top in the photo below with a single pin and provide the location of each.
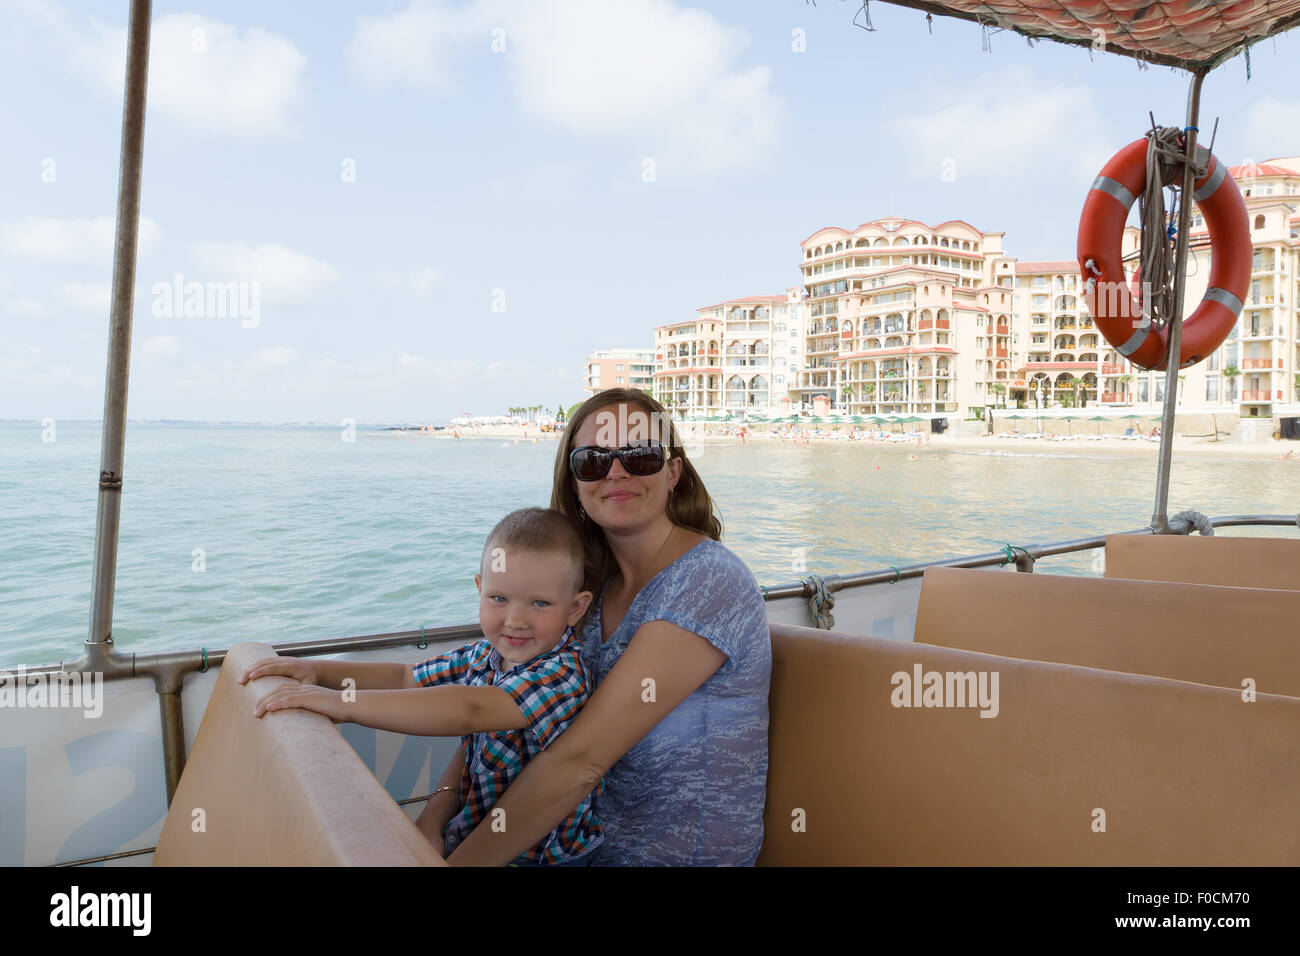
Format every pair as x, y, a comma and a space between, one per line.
692, 791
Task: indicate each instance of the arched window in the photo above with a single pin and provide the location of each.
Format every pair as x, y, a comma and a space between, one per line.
1259, 222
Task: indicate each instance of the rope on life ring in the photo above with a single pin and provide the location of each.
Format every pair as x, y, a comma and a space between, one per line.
1133, 324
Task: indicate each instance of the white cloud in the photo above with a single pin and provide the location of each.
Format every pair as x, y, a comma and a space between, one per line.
160, 347
24, 368
204, 75
25, 308
276, 357
71, 240
986, 133
285, 275
645, 75
87, 296
410, 47
1271, 126
419, 282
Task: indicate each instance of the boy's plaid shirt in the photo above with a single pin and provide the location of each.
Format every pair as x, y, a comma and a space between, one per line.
550, 691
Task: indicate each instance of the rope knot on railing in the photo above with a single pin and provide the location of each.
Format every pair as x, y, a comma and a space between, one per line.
820, 601
1194, 521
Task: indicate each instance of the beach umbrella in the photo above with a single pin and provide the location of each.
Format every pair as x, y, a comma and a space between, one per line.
1098, 419
1068, 419
857, 419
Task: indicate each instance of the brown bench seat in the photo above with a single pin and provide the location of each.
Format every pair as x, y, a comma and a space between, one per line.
1190, 632
1232, 562
284, 790
1185, 774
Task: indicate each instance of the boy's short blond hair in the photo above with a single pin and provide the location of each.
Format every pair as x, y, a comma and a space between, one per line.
542, 530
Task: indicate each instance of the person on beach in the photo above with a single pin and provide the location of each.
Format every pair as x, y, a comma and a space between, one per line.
677, 642
510, 695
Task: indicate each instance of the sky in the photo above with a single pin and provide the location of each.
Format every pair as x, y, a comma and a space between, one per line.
428, 208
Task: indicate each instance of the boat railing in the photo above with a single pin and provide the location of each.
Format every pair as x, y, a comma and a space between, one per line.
168, 668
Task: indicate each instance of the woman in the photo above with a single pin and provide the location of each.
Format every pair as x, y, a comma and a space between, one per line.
677, 644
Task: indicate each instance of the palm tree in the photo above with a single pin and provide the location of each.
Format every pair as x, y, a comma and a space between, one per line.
1230, 373
1000, 390
1075, 384
1125, 390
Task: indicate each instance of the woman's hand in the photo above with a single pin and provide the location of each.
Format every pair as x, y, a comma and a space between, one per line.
303, 697
299, 668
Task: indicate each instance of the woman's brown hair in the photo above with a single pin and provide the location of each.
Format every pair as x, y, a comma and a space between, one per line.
689, 504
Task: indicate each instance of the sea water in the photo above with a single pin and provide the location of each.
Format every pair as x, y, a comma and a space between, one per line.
234, 533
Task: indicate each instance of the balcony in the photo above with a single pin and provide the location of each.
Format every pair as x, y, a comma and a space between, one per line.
1002, 330
1263, 332
1109, 368
926, 324
1000, 353
1110, 396
1259, 395
1261, 363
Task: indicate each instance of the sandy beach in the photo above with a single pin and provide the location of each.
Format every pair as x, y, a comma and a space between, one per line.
1083, 441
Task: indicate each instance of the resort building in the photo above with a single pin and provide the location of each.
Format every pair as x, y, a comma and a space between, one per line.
619, 368
1253, 374
734, 356
899, 317
904, 318
1061, 358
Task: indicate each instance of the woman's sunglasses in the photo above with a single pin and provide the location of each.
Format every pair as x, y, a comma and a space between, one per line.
591, 463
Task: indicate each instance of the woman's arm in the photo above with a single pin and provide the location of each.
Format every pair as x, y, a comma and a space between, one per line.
662, 666
440, 809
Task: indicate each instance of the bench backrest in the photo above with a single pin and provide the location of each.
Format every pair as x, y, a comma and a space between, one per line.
1210, 635
1177, 773
1232, 562
283, 790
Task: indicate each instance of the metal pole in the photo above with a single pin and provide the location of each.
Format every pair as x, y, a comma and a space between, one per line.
1160, 517
100, 643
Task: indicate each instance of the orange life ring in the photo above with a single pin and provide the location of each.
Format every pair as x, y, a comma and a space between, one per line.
1118, 312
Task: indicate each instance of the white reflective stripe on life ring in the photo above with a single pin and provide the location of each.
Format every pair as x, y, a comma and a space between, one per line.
1113, 187
1211, 184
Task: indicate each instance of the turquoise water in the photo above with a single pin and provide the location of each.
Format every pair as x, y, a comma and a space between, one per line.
305, 535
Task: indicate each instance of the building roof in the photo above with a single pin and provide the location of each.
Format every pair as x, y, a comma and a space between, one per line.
1053, 265
749, 298
1258, 170
901, 223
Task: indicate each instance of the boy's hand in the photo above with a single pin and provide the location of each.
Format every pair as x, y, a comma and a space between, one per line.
296, 667
304, 697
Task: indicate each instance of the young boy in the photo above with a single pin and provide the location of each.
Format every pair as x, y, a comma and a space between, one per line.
508, 695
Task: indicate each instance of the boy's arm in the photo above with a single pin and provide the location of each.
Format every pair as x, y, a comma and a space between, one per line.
447, 710
369, 675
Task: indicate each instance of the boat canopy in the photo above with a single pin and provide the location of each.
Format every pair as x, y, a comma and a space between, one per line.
1195, 35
